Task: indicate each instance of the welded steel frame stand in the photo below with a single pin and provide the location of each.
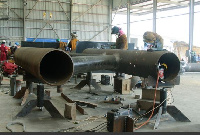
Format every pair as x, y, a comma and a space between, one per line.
170, 109
40, 102
12, 85
29, 85
88, 81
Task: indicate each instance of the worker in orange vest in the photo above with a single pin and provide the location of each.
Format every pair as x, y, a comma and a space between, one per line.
72, 43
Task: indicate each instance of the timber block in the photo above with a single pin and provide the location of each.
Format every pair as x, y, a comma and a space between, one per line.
145, 104
148, 94
70, 111
122, 86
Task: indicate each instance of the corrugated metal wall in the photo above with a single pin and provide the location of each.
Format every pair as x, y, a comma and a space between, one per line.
39, 25
11, 27
90, 19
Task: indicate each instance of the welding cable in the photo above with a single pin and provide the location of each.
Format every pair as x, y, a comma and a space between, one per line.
79, 127
135, 119
101, 128
14, 123
98, 128
154, 101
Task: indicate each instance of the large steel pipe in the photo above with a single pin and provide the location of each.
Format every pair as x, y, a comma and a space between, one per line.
51, 66
84, 64
192, 67
142, 63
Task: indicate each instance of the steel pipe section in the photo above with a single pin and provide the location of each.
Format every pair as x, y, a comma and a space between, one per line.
84, 64
192, 67
51, 66
142, 63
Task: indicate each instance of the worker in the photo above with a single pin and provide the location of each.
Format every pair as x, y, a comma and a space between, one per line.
121, 41
3, 51
152, 41
73, 41
62, 45
14, 47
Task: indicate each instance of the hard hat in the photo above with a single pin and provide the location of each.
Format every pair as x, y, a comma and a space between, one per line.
4, 41
16, 43
58, 40
115, 30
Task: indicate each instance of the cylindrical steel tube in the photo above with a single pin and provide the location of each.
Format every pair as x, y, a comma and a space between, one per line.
84, 64
55, 67
142, 63
192, 67
51, 66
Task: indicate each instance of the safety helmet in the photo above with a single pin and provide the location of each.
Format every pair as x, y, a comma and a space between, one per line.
58, 40
16, 43
4, 41
115, 30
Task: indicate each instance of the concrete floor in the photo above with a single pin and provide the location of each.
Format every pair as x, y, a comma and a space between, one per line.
186, 98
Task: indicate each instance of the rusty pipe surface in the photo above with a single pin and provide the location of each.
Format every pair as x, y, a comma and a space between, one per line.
142, 63
51, 66
84, 64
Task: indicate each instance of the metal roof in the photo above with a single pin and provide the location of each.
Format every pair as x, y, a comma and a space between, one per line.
143, 7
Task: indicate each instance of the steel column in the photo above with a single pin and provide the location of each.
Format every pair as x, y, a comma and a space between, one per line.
191, 27
128, 21
24, 22
154, 14
110, 20
71, 12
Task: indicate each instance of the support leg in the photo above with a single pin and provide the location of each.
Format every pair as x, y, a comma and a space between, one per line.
89, 81
12, 86
59, 89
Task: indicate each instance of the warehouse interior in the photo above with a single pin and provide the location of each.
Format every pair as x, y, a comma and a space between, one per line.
99, 65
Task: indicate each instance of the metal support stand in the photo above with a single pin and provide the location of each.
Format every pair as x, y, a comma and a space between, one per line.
29, 85
89, 81
171, 110
59, 89
75, 79
163, 96
12, 85
40, 102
